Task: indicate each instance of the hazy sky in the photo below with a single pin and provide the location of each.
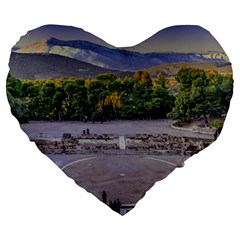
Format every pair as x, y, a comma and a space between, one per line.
60, 32
182, 38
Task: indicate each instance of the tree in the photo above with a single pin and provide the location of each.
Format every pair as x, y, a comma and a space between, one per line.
45, 100
106, 77
29, 89
97, 93
76, 99
224, 89
14, 86
191, 100
57, 103
18, 108
162, 102
161, 81
143, 78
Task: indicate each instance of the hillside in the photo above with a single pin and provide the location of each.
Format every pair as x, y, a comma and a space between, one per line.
45, 66
117, 59
54, 51
171, 70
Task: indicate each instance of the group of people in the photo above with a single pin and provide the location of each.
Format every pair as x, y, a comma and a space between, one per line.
86, 131
114, 205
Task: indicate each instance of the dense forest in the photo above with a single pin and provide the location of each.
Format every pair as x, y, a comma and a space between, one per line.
200, 94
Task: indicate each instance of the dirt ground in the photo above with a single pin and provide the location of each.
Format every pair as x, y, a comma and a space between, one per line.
123, 176
56, 129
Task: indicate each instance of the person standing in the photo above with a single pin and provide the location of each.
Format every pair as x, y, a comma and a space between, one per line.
104, 197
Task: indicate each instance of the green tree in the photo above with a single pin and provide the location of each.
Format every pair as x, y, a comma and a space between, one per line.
57, 103
161, 80
191, 100
19, 108
97, 92
14, 86
162, 102
29, 89
76, 98
106, 77
224, 89
45, 100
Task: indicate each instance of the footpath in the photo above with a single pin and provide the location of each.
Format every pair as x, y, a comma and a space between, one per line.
195, 129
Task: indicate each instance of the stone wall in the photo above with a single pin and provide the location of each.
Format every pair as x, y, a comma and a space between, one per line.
166, 143
84, 144
92, 143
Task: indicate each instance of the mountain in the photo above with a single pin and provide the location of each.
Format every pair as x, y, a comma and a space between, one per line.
60, 32
179, 39
46, 66
117, 59
177, 44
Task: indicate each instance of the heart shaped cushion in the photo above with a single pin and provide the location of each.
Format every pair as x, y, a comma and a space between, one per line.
116, 120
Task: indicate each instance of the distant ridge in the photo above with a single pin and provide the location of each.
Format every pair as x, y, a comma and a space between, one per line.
46, 66
60, 32
116, 59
